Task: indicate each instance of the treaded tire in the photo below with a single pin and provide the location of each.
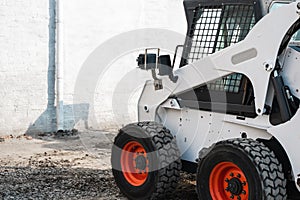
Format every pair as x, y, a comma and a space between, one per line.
262, 170
163, 156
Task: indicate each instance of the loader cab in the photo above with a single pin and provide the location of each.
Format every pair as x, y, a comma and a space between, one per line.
212, 26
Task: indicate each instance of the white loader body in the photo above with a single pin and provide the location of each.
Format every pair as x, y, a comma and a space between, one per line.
256, 56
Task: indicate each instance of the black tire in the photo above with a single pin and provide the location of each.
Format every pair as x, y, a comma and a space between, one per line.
163, 160
261, 169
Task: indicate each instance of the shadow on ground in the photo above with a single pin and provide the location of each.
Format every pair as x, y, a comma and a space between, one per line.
46, 122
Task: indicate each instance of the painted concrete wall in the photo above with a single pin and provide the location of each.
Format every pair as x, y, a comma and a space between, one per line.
26, 72
96, 23
27, 62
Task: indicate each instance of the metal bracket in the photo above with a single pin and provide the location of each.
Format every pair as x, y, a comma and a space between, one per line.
157, 56
171, 103
175, 55
157, 82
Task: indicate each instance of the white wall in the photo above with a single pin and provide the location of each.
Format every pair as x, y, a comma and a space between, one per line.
89, 24
27, 65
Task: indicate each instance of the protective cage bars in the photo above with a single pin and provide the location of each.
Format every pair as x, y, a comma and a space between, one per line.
215, 27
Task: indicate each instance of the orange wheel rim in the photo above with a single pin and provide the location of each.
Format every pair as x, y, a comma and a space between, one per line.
134, 163
227, 181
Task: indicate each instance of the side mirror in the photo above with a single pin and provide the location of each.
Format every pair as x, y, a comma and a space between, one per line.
149, 63
152, 61
164, 65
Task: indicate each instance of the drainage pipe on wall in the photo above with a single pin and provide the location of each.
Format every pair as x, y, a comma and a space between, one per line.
59, 66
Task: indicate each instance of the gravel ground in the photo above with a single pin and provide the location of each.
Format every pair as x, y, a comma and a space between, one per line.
71, 166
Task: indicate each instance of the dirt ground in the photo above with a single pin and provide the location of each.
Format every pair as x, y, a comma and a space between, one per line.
64, 166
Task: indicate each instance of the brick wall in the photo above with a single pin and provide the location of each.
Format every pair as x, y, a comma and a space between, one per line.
104, 20
27, 65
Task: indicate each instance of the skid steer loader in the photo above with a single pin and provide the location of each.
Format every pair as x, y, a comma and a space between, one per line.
229, 113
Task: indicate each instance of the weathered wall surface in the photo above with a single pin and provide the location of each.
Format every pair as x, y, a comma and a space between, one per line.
26, 72
96, 23
27, 62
